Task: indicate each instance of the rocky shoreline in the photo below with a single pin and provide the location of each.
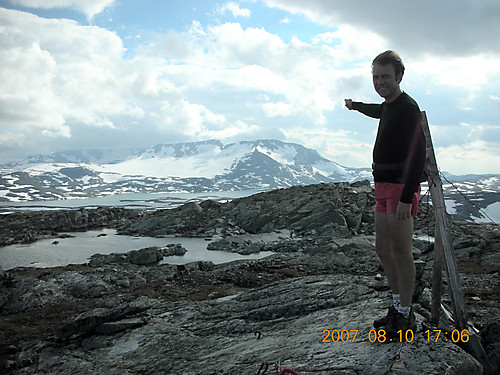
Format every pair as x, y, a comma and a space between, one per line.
125, 313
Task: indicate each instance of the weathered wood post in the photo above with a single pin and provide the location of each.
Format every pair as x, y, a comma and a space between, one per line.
443, 250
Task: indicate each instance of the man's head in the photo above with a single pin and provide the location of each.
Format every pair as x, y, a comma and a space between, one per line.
393, 58
387, 71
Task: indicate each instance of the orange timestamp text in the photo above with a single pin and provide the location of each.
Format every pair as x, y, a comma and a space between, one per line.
380, 335
374, 335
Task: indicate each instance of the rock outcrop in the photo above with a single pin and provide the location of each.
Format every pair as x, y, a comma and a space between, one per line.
339, 209
30, 226
148, 255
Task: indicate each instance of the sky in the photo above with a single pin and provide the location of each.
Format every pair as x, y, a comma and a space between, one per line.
82, 74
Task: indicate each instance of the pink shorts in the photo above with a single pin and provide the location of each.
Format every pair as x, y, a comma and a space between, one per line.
387, 197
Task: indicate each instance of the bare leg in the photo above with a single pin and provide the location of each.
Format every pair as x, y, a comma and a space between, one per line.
402, 235
384, 250
393, 246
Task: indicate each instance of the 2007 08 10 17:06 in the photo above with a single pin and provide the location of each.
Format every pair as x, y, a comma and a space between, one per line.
434, 335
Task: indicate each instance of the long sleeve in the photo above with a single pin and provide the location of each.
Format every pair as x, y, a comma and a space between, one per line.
414, 164
370, 110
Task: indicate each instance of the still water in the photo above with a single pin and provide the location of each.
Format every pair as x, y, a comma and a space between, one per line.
129, 200
79, 249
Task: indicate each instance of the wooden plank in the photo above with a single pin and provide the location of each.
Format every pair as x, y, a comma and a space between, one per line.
437, 267
437, 278
443, 246
442, 226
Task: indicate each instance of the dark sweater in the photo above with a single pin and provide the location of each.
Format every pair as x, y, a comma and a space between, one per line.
400, 140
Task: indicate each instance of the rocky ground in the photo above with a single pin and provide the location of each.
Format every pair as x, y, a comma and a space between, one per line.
125, 314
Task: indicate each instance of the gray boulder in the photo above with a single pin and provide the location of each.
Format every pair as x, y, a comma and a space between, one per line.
145, 256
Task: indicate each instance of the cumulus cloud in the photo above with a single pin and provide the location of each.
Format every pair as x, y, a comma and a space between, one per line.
353, 43
57, 74
234, 9
471, 73
344, 147
88, 7
304, 77
300, 79
198, 122
54, 71
447, 27
193, 117
475, 157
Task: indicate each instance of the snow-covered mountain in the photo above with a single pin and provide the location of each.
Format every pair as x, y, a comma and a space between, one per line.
181, 167
210, 166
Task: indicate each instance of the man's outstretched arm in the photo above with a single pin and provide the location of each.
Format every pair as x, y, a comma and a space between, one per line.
370, 110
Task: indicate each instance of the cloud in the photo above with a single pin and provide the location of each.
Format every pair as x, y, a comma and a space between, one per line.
196, 121
235, 9
447, 27
467, 148
192, 119
55, 71
343, 147
305, 77
475, 157
472, 73
88, 7
300, 79
11, 140
278, 109
353, 43
26, 96
57, 75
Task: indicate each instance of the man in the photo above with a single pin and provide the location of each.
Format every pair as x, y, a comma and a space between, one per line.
398, 163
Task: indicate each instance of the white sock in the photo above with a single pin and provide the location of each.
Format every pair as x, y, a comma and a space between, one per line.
404, 310
396, 300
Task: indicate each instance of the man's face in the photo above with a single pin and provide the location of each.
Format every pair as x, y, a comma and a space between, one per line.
385, 81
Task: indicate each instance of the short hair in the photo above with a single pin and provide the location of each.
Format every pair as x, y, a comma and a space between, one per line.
390, 57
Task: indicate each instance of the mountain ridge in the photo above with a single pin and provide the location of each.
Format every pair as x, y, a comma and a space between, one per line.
188, 167
207, 166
